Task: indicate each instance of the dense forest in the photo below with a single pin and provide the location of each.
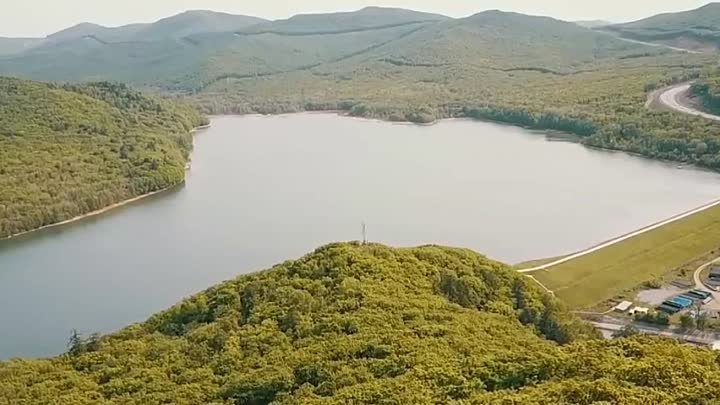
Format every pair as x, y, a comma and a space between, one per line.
69, 150
367, 324
605, 105
707, 91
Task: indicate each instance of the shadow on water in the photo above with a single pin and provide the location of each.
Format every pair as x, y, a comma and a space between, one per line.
76, 226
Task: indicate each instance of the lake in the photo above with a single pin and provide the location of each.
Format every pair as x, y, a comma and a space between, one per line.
266, 189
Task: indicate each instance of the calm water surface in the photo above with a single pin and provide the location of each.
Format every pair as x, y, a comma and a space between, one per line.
266, 189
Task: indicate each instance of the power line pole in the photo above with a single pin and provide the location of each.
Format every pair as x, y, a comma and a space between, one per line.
364, 233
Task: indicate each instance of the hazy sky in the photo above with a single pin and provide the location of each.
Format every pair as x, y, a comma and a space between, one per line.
41, 17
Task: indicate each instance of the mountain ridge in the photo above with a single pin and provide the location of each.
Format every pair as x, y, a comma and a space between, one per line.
263, 49
697, 28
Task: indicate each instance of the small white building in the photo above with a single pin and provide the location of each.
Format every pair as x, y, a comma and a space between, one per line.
623, 306
639, 310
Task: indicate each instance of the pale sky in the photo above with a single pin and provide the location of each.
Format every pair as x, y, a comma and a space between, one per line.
42, 17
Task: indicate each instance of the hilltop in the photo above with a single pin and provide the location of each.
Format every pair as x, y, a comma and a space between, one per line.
699, 28
183, 52
333, 23
69, 150
9, 46
174, 27
502, 40
592, 23
186, 53
366, 325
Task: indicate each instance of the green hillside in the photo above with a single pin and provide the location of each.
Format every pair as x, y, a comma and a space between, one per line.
365, 19
195, 22
10, 46
196, 49
174, 27
69, 150
351, 324
702, 24
503, 40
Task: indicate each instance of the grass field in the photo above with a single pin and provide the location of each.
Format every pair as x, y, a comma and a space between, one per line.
607, 273
534, 263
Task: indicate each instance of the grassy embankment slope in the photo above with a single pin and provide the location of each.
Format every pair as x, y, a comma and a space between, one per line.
367, 325
66, 151
602, 275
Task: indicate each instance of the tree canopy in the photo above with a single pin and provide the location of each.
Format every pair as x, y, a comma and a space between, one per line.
368, 324
69, 150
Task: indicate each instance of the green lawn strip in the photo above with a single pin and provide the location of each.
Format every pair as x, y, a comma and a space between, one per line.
599, 276
535, 263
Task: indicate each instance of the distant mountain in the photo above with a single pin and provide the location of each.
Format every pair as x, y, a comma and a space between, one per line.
504, 40
367, 18
700, 26
593, 23
187, 52
9, 46
76, 31
195, 22
175, 27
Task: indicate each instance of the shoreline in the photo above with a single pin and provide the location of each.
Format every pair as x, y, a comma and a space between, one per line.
90, 214
105, 209
551, 135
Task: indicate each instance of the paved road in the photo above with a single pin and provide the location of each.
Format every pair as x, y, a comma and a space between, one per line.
713, 305
621, 238
696, 338
671, 97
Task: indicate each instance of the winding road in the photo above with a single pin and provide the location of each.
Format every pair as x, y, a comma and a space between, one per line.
700, 285
672, 98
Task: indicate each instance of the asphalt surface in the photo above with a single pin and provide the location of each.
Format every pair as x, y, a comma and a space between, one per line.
672, 97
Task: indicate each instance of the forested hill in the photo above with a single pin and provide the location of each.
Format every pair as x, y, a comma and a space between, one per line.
366, 19
69, 150
352, 324
693, 28
186, 53
367, 325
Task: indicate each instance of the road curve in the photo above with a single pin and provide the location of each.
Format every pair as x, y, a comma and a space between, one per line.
622, 238
671, 98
